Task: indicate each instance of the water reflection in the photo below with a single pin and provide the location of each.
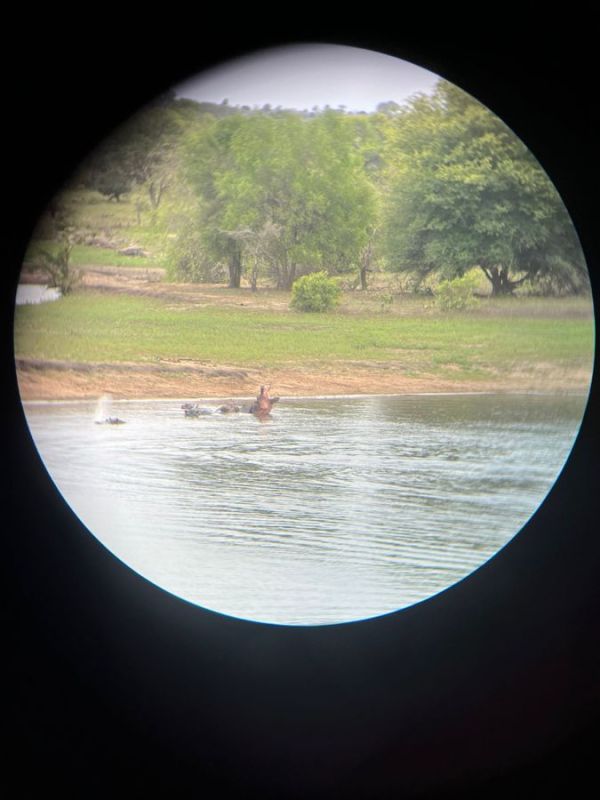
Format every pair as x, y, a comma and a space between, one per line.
336, 509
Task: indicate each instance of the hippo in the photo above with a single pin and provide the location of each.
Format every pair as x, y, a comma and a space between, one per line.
264, 403
261, 407
229, 408
194, 410
110, 421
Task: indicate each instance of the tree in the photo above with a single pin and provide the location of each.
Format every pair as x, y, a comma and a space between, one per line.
112, 182
186, 254
464, 191
60, 228
303, 178
260, 250
141, 152
369, 139
208, 155
57, 266
364, 266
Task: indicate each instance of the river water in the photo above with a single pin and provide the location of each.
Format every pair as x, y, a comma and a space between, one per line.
333, 510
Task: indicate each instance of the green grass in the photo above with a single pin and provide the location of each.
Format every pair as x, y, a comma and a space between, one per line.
89, 326
118, 222
85, 206
89, 256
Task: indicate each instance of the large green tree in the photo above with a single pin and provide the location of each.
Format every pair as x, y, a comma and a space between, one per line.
303, 181
208, 156
464, 191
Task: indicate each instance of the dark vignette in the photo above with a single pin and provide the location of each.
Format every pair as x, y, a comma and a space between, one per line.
490, 689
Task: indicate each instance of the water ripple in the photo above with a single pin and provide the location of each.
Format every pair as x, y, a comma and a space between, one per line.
336, 509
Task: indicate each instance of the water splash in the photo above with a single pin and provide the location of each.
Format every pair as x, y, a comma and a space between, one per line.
103, 412
103, 408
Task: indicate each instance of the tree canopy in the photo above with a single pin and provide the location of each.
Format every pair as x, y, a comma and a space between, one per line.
437, 186
300, 179
464, 191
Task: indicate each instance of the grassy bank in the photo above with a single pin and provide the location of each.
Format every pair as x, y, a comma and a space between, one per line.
95, 327
113, 225
83, 255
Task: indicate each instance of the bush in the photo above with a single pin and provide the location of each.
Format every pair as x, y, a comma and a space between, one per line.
315, 292
186, 257
385, 301
456, 294
57, 267
112, 184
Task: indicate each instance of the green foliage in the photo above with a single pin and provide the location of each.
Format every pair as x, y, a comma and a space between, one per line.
456, 294
302, 178
207, 155
429, 190
315, 292
385, 301
464, 191
112, 183
187, 257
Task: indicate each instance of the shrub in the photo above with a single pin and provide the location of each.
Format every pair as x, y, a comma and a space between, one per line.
186, 256
315, 292
385, 301
456, 294
58, 269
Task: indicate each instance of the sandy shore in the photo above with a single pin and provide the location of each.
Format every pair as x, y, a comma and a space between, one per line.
178, 378
44, 380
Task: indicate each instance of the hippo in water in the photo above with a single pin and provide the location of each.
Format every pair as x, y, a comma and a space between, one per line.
261, 407
110, 421
263, 404
194, 410
229, 408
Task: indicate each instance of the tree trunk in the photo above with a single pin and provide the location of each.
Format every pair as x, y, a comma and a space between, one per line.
254, 277
502, 285
291, 277
363, 277
286, 277
155, 192
235, 271
365, 266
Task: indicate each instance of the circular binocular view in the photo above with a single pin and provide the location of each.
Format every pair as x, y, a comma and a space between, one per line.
308, 339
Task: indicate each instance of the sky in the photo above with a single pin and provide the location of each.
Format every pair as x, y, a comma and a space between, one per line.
308, 75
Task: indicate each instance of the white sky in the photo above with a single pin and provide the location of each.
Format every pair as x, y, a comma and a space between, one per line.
303, 76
